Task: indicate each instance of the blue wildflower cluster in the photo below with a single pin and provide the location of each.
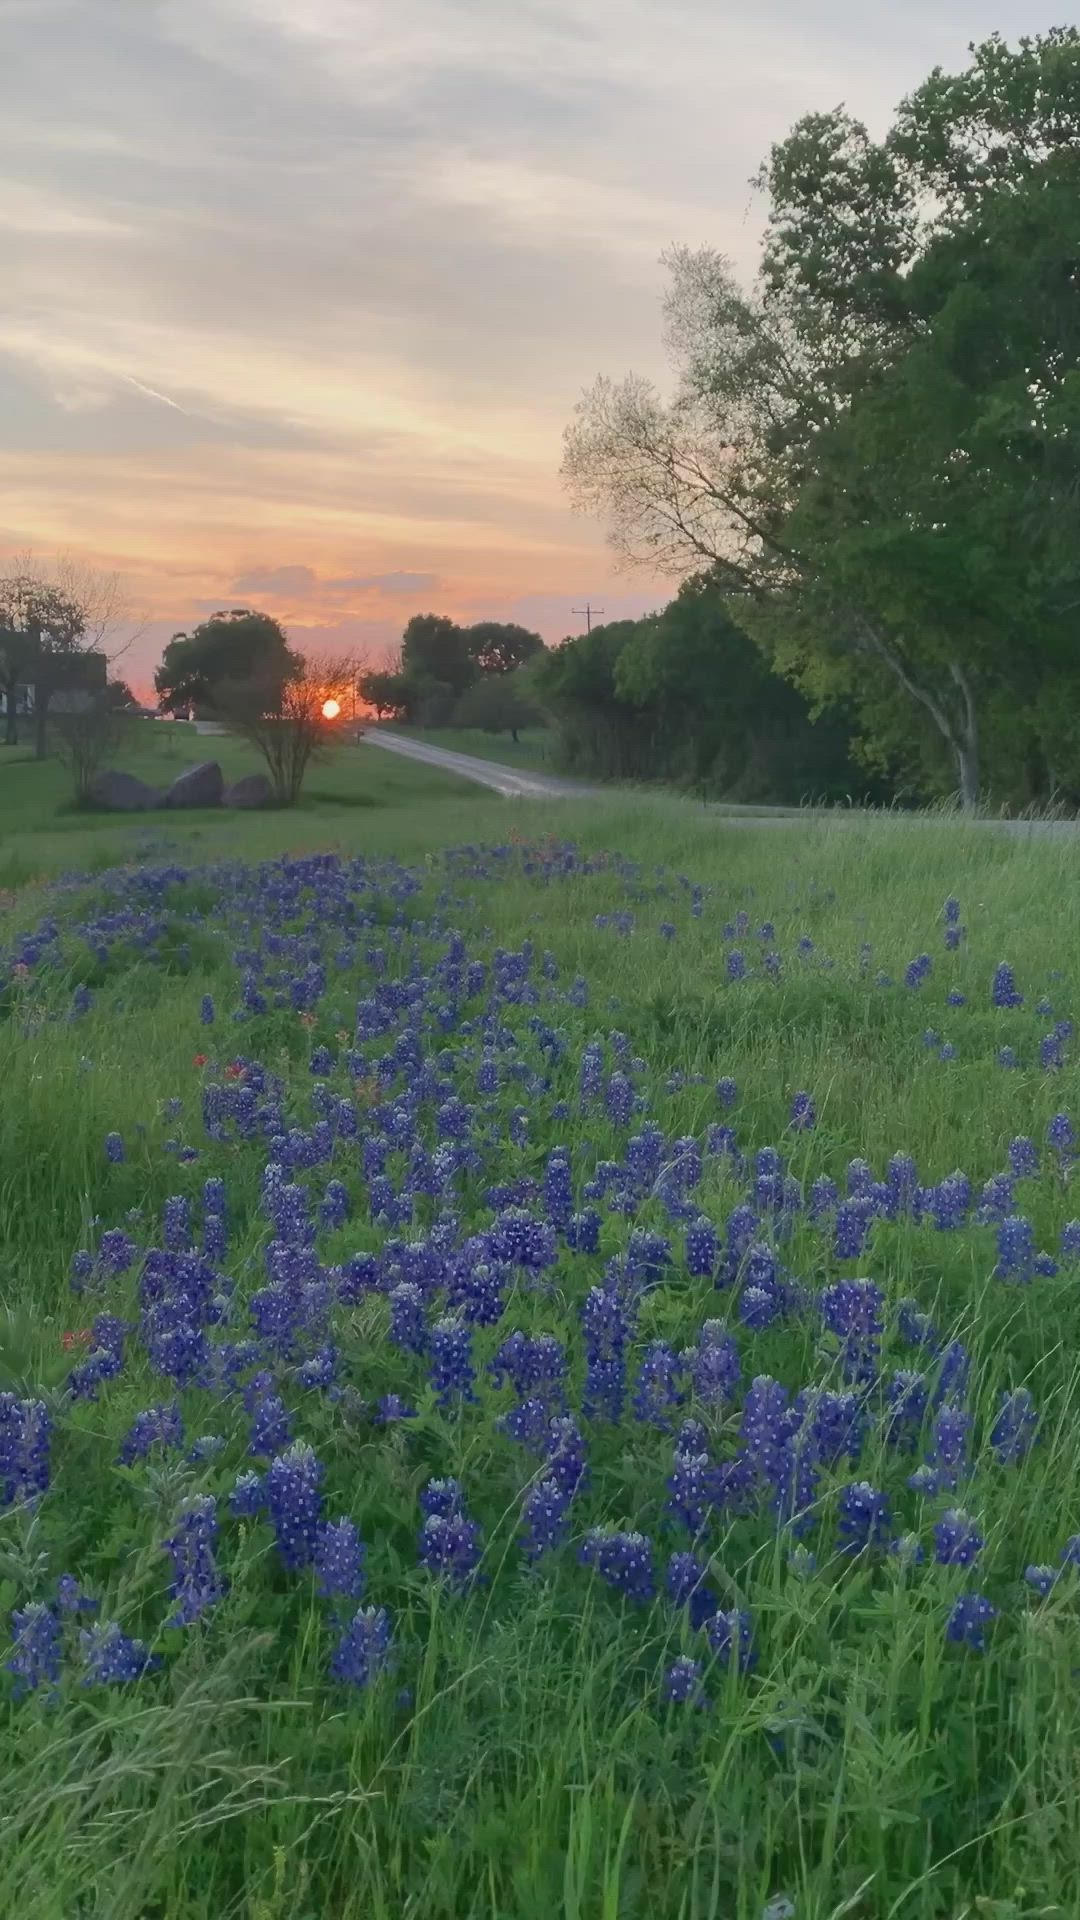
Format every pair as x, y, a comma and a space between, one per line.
585, 1363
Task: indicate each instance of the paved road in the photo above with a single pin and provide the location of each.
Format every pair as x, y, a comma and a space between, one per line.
515, 783
511, 782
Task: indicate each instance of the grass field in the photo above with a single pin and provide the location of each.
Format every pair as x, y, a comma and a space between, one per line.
41, 833
747, 1632
534, 749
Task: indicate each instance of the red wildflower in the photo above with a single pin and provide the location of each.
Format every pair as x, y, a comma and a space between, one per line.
200, 1060
79, 1339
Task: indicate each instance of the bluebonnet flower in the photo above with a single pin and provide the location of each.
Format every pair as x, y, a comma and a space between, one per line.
666, 930
1006, 1057
727, 1093
196, 1584
1013, 1433
407, 1324
566, 1463
1003, 992
544, 1510
606, 1324
824, 1198
1043, 1579
592, 1073
339, 1560
951, 911
450, 1546
294, 1503
731, 1635
854, 1310
1051, 1053
954, 998
957, 1540
918, 970
953, 1373
363, 1650
997, 1199
713, 1365
623, 1561
916, 1327
803, 1114
1023, 1157
452, 1370
516, 1237
766, 1426
442, 1497
176, 1223
682, 1683
691, 1485
971, 1614
583, 1231
1070, 1240
947, 1462
852, 1225
907, 1398
392, 1407
206, 1010
271, 1430
114, 1149
1016, 1249
865, 1517
70, 1597
658, 1391
154, 1427
25, 1439
1060, 1136
34, 1660
558, 1188
949, 1201
619, 1099
111, 1658
334, 1207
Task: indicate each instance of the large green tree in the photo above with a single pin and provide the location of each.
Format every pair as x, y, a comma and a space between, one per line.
435, 652
855, 445
239, 645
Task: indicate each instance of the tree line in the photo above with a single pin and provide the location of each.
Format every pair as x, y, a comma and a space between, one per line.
872, 456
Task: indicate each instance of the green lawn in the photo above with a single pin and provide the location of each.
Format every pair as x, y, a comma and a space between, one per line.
41, 833
519, 1760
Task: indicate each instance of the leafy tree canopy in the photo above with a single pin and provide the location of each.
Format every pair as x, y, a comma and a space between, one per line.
233, 646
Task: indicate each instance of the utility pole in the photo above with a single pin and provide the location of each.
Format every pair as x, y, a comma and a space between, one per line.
588, 612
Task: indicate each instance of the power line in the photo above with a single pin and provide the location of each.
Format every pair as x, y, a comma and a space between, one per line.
588, 612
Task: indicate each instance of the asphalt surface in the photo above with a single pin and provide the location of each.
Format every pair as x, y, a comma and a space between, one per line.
518, 784
512, 783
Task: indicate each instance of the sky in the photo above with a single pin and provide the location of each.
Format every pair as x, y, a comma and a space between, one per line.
297, 296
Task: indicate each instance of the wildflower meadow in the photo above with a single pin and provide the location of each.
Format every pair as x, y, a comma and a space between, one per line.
538, 1374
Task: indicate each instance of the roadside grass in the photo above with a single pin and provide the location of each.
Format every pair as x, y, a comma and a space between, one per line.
520, 1763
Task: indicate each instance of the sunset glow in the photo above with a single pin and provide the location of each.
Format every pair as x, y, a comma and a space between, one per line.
364, 421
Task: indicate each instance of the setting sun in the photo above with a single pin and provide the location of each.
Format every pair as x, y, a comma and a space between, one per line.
331, 709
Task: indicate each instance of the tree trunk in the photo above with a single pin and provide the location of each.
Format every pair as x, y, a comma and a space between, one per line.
41, 725
966, 743
960, 736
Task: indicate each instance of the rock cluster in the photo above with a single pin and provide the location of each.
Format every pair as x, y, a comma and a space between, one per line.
202, 786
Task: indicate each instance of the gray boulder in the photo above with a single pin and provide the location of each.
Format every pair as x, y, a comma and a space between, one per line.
254, 790
200, 786
123, 793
